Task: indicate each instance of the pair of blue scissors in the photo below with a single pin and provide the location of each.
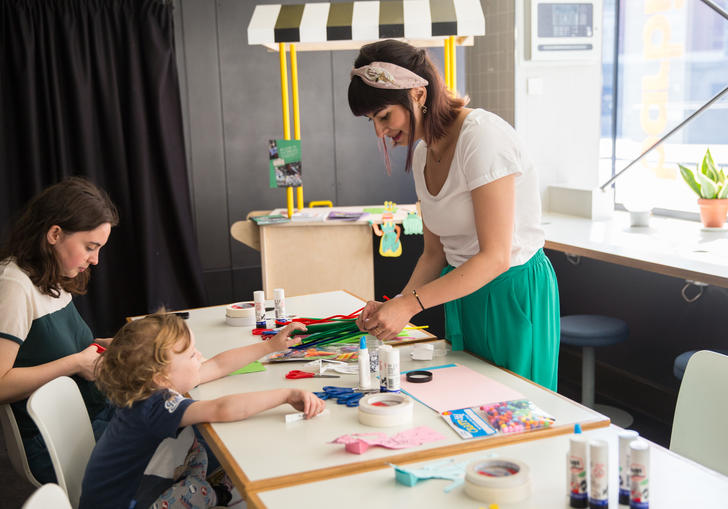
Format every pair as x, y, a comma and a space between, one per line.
343, 395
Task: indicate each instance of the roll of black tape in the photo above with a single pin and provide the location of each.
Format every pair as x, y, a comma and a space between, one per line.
419, 377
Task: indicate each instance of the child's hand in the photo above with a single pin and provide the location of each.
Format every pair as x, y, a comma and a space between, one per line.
282, 340
306, 402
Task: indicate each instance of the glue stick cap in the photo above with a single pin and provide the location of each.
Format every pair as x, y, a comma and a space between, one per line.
577, 428
363, 343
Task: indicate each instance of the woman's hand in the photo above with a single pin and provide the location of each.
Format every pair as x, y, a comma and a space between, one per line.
306, 402
282, 340
87, 359
364, 317
389, 318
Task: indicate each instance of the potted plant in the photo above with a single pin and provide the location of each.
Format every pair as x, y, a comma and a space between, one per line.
711, 186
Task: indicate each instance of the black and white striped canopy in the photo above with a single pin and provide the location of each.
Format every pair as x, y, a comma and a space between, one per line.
324, 25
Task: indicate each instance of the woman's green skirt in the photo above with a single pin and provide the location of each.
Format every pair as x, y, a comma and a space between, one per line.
512, 321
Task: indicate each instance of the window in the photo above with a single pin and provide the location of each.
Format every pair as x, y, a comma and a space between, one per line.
662, 60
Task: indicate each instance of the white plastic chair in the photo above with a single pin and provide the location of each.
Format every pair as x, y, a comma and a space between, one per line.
48, 496
58, 410
698, 428
14, 444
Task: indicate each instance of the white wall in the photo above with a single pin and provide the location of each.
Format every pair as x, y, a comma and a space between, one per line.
560, 127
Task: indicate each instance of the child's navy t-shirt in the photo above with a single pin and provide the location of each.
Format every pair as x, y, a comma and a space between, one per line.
138, 453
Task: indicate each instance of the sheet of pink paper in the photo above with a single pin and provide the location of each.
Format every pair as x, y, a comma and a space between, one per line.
458, 387
402, 440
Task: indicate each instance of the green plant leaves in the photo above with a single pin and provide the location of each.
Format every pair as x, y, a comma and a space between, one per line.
708, 188
708, 167
689, 178
708, 181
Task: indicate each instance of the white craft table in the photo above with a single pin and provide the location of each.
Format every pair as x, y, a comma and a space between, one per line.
263, 452
669, 246
675, 482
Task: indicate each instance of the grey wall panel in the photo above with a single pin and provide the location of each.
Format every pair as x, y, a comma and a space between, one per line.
199, 28
361, 175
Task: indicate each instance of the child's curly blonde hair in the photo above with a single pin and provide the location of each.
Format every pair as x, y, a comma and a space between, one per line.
140, 352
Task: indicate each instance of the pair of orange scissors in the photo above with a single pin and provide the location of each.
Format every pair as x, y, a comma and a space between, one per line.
295, 374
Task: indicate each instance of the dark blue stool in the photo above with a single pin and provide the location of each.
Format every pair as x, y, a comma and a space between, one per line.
588, 332
681, 362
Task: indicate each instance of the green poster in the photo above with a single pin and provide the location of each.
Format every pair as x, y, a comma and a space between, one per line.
285, 163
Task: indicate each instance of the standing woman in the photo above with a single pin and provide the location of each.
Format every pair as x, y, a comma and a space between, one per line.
479, 194
45, 260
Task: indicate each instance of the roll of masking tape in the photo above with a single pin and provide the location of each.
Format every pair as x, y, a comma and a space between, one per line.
241, 314
500, 481
385, 409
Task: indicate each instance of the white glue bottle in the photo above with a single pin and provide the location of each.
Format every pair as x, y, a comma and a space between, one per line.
383, 353
639, 466
598, 474
365, 377
625, 438
576, 469
392, 369
259, 300
279, 298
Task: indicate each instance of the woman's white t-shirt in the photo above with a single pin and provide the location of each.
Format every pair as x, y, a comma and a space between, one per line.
487, 149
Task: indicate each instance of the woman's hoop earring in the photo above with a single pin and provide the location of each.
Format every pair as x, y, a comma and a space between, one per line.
424, 109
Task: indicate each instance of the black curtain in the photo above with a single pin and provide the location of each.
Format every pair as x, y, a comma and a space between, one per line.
89, 87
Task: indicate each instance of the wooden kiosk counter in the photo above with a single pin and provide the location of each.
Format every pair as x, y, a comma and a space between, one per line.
316, 256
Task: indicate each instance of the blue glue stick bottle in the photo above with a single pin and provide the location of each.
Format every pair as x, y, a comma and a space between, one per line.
365, 378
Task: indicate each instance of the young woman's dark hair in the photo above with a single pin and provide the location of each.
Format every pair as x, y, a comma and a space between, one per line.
442, 106
74, 204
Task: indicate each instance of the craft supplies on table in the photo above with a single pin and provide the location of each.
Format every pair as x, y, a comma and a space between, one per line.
422, 352
577, 466
296, 374
599, 473
301, 416
516, 416
241, 314
513, 416
253, 367
385, 409
639, 482
456, 386
343, 395
279, 299
625, 438
358, 443
448, 469
259, 304
498, 480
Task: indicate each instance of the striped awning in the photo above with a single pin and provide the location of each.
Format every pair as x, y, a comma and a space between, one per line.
345, 25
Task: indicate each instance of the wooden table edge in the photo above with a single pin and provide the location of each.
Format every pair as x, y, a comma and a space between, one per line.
464, 447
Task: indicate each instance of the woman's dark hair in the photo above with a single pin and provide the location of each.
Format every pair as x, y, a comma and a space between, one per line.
442, 106
74, 204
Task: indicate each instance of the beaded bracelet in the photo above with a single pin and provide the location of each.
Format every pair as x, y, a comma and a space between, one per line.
414, 292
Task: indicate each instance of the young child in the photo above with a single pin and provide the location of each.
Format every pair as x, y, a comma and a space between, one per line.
148, 456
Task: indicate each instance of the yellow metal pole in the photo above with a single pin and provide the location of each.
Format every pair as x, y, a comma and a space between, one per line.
286, 118
453, 65
296, 113
447, 62
284, 91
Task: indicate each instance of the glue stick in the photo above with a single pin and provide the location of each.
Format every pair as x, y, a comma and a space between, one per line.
625, 438
259, 300
383, 352
598, 474
639, 466
279, 297
392, 370
365, 378
576, 469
